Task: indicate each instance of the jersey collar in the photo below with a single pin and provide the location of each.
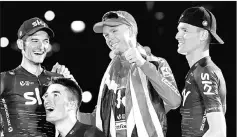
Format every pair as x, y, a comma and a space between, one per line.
200, 62
28, 73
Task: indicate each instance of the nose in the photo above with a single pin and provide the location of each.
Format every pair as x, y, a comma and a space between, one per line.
178, 35
42, 45
45, 99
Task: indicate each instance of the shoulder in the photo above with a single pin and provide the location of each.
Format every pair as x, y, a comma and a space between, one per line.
207, 71
7, 75
7, 78
93, 131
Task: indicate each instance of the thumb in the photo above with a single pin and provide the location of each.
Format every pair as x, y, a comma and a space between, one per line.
54, 67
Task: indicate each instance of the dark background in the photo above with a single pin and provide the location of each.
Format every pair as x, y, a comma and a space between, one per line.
86, 54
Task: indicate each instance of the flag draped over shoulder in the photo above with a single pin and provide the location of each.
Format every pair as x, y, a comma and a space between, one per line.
139, 109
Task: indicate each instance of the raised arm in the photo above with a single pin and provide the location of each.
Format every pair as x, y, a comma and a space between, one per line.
162, 79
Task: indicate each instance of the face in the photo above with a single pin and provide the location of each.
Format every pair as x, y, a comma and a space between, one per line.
117, 37
35, 47
188, 37
56, 103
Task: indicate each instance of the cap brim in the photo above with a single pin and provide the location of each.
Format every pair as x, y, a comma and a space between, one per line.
48, 30
217, 40
98, 27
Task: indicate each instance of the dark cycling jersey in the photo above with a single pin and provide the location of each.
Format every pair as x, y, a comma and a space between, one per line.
21, 105
204, 92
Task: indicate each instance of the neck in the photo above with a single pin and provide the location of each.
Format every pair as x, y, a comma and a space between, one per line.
64, 126
196, 55
31, 67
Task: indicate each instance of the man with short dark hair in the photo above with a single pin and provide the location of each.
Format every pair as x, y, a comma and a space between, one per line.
62, 101
21, 105
204, 95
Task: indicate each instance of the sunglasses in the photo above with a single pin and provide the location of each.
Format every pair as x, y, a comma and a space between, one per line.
115, 15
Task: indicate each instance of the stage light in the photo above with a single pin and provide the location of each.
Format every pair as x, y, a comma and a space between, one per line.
150, 5
159, 15
4, 42
49, 15
77, 26
55, 47
86, 96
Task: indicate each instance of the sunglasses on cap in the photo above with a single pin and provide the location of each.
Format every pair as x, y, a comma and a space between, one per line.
115, 15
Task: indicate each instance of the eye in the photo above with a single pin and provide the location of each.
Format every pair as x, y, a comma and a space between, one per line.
106, 35
56, 95
114, 31
44, 96
46, 41
185, 30
34, 40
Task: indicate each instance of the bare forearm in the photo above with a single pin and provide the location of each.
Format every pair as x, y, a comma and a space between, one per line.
210, 133
217, 125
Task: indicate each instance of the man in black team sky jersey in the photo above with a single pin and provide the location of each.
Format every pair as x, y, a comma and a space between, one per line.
62, 101
204, 95
21, 105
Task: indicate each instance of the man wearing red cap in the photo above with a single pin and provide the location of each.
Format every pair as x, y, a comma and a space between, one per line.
204, 95
21, 105
137, 89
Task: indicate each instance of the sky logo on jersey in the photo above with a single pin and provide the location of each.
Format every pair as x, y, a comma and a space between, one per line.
26, 83
207, 84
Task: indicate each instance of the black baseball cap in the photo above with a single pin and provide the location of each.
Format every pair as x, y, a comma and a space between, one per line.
33, 25
115, 18
203, 18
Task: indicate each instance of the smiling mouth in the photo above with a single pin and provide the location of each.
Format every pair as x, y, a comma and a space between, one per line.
113, 46
180, 41
38, 53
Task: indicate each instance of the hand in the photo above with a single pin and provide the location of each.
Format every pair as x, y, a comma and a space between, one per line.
134, 56
60, 69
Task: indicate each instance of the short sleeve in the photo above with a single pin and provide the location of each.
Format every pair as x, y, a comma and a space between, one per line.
208, 84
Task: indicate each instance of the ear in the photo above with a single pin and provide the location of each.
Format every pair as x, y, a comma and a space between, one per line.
131, 32
72, 105
204, 35
20, 44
